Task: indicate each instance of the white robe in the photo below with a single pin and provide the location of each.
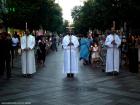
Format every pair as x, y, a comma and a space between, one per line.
110, 56
73, 66
28, 57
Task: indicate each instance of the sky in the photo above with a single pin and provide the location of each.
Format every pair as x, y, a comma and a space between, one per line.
67, 6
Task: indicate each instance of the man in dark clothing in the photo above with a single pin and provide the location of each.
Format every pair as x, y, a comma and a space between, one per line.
54, 41
41, 51
5, 54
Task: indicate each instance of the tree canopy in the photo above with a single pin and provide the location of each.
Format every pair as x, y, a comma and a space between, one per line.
100, 14
37, 13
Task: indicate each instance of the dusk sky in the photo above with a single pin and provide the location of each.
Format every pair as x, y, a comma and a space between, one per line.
67, 6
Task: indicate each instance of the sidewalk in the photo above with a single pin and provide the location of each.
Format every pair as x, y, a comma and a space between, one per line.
49, 86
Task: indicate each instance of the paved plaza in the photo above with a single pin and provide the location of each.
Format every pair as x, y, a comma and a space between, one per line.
49, 86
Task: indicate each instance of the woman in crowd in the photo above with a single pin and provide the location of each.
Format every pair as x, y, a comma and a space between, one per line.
84, 49
41, 51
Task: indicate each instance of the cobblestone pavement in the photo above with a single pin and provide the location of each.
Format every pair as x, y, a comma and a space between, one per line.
49, 86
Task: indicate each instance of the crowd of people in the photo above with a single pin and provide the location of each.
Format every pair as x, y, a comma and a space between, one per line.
30, 47
34, 50
94, 49
110, 49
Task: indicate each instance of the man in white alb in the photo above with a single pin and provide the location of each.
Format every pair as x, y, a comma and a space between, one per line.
70, 44
28, 56
112, 58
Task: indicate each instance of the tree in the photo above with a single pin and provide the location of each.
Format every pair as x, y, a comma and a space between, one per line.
101, 13
44, 13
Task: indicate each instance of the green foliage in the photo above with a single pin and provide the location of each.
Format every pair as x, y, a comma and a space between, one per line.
44, 13
100, 14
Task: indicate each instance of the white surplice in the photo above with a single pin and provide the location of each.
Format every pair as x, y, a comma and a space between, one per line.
70, 55
112, 53
28, 57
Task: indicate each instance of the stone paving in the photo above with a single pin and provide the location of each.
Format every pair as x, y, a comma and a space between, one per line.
49, 86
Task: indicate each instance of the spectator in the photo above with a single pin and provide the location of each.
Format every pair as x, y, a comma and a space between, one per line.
5, 53
15, 43
84, 49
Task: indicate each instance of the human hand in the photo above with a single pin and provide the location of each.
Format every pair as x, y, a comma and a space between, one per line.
113, 42
27, 49
70, 44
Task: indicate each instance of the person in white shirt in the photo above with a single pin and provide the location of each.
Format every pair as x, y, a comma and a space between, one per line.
15, 43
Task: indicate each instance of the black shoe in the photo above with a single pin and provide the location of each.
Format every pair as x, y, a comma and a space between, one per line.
68, 75
24, 75
115, 73
29, 75
103, 70
72, 75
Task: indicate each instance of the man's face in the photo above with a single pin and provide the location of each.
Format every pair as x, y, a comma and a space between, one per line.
27, 33
68, 33
112, 30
